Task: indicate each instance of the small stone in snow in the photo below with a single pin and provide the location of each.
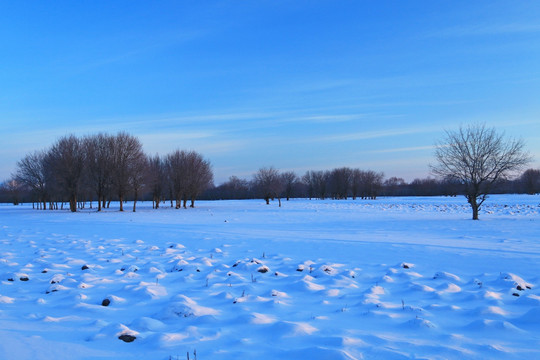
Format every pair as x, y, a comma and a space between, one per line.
105, 302
85, 267
263, 269
127, 338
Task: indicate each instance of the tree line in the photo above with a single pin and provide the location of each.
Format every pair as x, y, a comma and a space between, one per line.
344, 183
312, 185
107, 167
269, 183
473, 161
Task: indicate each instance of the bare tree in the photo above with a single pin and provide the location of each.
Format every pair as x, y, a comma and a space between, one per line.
137, 175
426, 187
127, 152
98, 151
320, 183
13, 189
288, 180
530, 180
394, 186
65, 160
268, 183
31, 172
340, 182
176, 164
309, 181
234, 188
370, 184
477, 157
199, 176
156, 179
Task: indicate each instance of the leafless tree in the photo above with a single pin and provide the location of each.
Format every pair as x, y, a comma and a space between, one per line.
268, 183
356, 178
127, 154
370, 184
477, 157
98, 151
137, 176
31, 172
234, 188
156, 179
176, 169
530, 180
199, 176
288, 179
340, 182
309, 182
320, 183
426, 187
13, 189
394, 186
65, 160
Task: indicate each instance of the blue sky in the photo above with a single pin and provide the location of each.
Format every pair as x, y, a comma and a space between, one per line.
297, 85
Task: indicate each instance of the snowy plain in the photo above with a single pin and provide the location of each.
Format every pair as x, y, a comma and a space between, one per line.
393, 278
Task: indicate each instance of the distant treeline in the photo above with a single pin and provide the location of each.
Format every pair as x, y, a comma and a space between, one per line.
95, 170
343, 183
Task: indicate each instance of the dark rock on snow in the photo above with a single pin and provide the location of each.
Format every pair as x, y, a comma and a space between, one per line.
127, 338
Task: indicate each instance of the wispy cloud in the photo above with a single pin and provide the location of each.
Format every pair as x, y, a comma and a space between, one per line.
486, 30
403, 149
144, 44
364, 135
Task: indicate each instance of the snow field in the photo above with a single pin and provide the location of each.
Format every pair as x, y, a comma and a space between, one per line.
389, 279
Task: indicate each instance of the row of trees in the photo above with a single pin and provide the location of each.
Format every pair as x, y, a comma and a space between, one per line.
473, 161
327, 184
106, 167
268, 183
313, 184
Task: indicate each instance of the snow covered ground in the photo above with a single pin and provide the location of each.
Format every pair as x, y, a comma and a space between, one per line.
394, 278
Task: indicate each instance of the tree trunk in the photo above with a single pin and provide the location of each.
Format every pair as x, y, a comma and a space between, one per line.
475, 212
474, 206
135, 202
121, 203
73, 203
